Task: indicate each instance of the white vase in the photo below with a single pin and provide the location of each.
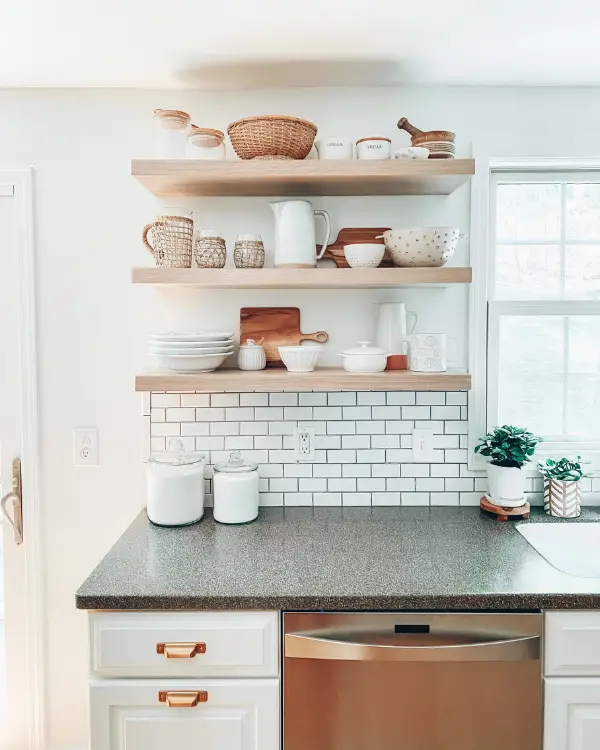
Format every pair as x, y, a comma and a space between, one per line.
506, 486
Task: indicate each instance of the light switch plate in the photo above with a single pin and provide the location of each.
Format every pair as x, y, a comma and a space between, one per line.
422, 446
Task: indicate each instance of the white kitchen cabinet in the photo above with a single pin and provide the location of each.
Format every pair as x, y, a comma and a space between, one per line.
572, 714
572, 644
231, 715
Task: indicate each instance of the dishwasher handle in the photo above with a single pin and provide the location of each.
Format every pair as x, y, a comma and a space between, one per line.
333, 647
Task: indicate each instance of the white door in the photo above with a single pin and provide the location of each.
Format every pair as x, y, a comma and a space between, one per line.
184, 715
19, 699
572, 713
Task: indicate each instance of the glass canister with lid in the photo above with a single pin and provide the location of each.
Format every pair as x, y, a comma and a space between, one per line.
175, 486
235, 490
206, 143
171, 126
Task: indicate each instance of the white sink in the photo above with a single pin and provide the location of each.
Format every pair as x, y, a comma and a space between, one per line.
572, 548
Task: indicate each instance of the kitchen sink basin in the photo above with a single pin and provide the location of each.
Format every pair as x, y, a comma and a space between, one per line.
572, 548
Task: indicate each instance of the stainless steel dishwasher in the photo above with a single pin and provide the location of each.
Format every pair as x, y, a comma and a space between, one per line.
384, 681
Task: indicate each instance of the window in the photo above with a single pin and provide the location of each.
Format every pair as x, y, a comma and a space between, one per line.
544, 306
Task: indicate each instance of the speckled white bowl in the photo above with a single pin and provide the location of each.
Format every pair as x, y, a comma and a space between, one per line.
364, 254
414, 247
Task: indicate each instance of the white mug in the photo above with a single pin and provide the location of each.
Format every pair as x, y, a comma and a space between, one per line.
335, 148
429, 352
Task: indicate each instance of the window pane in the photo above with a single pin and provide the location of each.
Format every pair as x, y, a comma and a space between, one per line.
530, 384
583, 410
582, 271
528, 211
583, 211
526, 272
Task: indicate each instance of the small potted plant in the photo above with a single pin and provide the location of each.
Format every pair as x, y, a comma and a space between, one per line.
562, 486
509, 449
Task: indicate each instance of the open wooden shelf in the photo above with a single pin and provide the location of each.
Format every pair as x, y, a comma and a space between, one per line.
323, 379
302, 278
167, 178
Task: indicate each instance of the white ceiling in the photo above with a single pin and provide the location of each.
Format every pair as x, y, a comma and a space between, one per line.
241, 43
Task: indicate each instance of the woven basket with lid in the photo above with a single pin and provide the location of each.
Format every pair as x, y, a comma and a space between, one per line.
272, 137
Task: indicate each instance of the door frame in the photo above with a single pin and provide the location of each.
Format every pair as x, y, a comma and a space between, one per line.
22, 182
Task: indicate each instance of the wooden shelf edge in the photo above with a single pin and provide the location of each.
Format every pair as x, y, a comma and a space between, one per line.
323, 379
319, 278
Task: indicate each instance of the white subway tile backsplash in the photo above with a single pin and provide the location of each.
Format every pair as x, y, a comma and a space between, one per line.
370, 398
456, 398
179, 414
431, 398
225, 399
254, 399
283, 399
341, 399
327, 413
363, 441
401, 398
470, 498
416, 412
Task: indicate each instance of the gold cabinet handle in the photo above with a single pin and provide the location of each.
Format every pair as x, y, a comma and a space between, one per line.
180, 650
182, 698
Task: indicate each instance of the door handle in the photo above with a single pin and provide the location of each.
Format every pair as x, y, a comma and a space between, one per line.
16, 496
182, 698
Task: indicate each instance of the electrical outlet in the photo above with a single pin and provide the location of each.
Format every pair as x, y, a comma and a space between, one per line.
305, 442
85, 446
422, 446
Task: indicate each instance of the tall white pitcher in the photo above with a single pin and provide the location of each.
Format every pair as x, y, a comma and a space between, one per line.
295, 241
392, 329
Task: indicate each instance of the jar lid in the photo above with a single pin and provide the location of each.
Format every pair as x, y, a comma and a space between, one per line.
206, 137
364, 348
373, 138
252, 344
174, 113
235, 464
176, 457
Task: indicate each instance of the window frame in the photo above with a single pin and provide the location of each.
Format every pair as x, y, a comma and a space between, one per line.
483, 196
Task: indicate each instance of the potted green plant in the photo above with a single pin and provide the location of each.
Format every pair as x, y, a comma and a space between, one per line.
509, 449
562, 486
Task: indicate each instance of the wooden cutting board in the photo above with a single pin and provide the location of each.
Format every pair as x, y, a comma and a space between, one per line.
335, 251
279, 326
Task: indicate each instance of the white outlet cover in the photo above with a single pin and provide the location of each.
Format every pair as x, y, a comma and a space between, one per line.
304, 435
422, 446
85, 446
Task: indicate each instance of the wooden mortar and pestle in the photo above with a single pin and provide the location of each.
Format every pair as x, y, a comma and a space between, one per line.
423, 137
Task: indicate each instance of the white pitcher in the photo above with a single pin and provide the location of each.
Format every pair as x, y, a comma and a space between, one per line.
392, 330
295, 242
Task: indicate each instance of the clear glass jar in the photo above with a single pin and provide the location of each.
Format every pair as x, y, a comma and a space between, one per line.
175, 487
235, 490
206, 143
171, 128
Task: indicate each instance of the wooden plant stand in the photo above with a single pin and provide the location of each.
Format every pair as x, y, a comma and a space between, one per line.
503, 514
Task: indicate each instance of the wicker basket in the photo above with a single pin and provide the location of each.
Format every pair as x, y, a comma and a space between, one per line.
210, 252
272, 136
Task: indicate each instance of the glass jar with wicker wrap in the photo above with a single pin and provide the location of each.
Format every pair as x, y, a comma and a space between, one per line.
249, 251
210, 250
172, 236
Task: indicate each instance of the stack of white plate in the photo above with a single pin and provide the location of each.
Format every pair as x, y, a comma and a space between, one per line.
191, 352
441, 149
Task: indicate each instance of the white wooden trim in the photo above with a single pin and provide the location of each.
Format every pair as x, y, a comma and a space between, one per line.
21, 179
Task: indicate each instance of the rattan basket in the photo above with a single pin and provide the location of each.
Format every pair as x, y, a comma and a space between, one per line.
272, 136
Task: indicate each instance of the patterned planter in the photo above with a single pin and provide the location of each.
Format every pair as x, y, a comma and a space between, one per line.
562, 499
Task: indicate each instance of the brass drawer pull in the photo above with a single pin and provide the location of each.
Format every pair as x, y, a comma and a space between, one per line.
180, 650
182, 698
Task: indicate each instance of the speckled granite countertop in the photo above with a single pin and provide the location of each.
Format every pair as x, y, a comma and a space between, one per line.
335, 558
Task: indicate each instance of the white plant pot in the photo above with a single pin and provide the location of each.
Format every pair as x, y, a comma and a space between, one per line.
506, 486
562, 499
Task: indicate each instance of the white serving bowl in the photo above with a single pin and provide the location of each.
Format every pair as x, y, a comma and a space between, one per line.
414, 247
364, 254
300, 358
364, 358
191, 362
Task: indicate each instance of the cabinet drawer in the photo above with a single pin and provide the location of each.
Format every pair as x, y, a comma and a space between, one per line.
231, 715
185, 644
572, 644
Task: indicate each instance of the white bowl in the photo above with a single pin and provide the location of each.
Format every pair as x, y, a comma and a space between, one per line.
189, 350
205, 336
414, 247
412, 152
191, 362
364, 254
300, 358
168, 345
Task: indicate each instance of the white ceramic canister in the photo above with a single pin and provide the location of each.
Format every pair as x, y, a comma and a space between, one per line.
335, 148
428, 352
235, 490
251, 356
175, 487
374, 148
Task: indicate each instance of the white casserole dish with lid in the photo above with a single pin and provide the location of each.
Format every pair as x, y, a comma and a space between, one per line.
364, 358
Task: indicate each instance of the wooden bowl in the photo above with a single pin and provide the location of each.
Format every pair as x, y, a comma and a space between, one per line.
433, 135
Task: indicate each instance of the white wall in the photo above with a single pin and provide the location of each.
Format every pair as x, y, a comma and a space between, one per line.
89, 214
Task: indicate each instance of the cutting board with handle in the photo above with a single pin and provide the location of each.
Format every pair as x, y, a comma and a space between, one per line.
335, 251
278, 326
